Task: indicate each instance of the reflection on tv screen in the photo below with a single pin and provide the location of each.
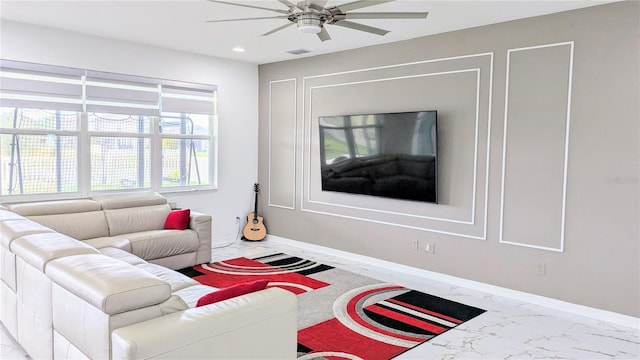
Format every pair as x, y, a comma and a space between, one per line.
390, 155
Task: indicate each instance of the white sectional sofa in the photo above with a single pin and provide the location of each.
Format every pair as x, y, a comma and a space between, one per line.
131, 221
93, 279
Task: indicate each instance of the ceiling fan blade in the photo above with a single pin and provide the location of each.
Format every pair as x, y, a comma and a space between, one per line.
323, 35
290, 5
359, 4
387, 15
250, 6
278, 29
361, 27
317, 4
242, 19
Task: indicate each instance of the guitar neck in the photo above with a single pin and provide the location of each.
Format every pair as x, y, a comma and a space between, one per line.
255, 211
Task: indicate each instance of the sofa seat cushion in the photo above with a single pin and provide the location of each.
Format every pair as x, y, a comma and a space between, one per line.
108, 284
156, 244
176, 280
174, 304
110, 241
122, 255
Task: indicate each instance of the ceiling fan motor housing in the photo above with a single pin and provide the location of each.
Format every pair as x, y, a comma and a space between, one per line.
310, 23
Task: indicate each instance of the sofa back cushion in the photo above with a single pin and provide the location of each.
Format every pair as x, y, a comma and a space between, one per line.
136, 219
81, 219
54, 207
129, 200
108, 284
13, 229
38, 249
80, 226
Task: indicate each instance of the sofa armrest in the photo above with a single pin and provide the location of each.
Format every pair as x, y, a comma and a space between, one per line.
201, 224
257, 325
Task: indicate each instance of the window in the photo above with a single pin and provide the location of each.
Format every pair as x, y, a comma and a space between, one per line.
185, 149
69, 132
39, 151
185, 131
120, 147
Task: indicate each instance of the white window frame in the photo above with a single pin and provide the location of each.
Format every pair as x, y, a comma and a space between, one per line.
203, 94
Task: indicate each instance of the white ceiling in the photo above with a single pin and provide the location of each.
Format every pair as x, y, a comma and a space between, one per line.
180, 24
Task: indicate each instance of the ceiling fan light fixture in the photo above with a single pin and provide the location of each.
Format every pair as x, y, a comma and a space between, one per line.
309, 29
309, 24
310, 16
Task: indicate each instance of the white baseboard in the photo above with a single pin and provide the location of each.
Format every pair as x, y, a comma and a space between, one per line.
603, 315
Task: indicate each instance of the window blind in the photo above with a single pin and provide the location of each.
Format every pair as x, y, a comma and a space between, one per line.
40, 87
114, 93
188, 100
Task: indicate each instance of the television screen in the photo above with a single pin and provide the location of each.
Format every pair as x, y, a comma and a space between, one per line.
390, 155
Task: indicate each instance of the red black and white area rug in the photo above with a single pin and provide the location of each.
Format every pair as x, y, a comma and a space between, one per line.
344, 315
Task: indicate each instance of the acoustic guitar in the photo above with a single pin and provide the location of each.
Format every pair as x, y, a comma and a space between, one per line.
255, 229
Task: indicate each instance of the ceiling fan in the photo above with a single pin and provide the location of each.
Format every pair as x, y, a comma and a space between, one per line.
311, 16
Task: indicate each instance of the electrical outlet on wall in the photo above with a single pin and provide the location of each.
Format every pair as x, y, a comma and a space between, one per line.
430, 247
541, 268
415, 244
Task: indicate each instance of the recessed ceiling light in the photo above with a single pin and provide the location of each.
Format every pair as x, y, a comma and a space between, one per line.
238, 49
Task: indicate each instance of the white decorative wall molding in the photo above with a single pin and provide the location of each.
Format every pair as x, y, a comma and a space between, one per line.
472, 212
289, 124
474, 224
558, 81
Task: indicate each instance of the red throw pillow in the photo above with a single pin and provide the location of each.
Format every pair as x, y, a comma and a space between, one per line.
232, 291
177, 219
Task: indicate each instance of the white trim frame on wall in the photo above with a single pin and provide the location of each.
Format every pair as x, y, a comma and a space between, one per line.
307, 114
293, 151
472, 214
560, 247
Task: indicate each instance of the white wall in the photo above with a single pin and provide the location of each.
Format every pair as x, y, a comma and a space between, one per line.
237, 93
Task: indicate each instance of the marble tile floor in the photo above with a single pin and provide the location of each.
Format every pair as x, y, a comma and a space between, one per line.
509, 329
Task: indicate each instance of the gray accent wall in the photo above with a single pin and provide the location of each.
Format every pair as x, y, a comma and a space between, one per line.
538, 145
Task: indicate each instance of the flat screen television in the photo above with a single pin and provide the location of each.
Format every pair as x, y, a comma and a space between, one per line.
391, 155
